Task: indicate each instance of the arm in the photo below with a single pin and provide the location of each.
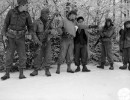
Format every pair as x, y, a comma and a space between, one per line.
88, 26
6, 23
109, 33
29, 24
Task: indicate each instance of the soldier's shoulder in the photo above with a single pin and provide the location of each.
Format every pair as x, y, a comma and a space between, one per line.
11, 11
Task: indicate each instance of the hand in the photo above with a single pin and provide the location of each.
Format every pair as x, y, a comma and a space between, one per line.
102, 34
4, 38
36, 40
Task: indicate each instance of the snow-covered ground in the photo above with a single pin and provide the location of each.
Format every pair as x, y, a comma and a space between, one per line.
97, 85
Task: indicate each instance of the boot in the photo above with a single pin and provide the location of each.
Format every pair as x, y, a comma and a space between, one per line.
77, 69
85, 69
69, 70
7, 75
123, 67
47, 72
34, 73
111, 67
21, 75
101, 66
58, 69
129, 68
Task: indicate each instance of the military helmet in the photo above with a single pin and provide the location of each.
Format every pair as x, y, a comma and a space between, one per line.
22, 2
45, 10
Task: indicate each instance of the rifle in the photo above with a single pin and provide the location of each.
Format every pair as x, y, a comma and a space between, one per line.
97, 41
45, 33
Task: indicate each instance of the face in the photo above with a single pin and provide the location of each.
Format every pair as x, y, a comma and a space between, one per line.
127, 25
24, 7
72, 17
108, 23
80, 22
45, 15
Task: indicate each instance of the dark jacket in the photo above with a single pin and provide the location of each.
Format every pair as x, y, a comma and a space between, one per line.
81, 37
126, 36
17, 21
108, 33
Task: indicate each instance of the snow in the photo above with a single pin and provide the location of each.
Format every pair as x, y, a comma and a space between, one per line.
97, 85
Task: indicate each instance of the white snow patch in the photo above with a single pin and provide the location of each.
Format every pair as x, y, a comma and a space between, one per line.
97, 85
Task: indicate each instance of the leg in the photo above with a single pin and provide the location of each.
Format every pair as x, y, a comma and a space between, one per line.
84, 58
70, 56
62, 55
129, 58
22, 56
103, 56
109, 54
77, 57
9, 57
48, 58
38, 61
125, 59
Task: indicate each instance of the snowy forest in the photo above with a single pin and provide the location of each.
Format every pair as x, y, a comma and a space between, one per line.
94, 12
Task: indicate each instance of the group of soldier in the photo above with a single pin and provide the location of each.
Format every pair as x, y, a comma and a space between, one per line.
74, 40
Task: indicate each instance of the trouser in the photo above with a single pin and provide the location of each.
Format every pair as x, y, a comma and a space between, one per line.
66, 52
106, 52
126, 55
19, 46
44, 56
81, 54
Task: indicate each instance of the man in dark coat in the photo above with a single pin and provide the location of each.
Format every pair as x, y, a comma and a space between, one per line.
17, 22
80, 47
125, 40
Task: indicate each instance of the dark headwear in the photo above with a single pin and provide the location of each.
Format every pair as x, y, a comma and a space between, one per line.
108, 20
127, 22
80, 18
22, 2
72, 12
45, 10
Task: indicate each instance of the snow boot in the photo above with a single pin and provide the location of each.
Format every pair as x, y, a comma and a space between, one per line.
77, 69
34, 73
129, 67
47, 72
85, 69
7, 75
111, 67
69, 70
58, 69
101, 66
123, 67
21, 75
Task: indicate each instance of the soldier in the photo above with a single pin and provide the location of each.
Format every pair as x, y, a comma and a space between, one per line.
67, 45
107, 33
69, 25
16, 22
125, 45
44, 55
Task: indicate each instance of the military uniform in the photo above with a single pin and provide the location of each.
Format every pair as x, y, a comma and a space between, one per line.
67, 45
44, 54
106, 46
15, 26
125, 46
